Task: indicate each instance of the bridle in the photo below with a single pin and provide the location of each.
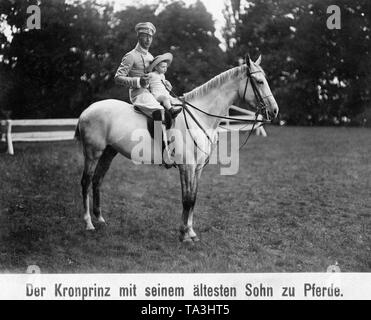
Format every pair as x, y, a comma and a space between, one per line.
261, 106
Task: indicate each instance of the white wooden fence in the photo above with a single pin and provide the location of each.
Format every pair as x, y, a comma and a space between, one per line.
64, 129
36, 130
240, 125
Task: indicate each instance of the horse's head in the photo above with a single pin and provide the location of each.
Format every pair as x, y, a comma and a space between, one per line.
254, 89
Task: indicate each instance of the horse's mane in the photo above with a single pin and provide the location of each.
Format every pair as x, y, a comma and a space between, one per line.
215, 82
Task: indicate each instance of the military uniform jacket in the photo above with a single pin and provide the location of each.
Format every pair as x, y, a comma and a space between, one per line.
132, 67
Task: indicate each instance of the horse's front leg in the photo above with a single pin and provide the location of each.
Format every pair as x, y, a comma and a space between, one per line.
189, 175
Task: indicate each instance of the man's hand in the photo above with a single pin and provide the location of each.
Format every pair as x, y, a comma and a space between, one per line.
144, 81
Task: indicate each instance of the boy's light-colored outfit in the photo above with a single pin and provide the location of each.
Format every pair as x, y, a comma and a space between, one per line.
157, 85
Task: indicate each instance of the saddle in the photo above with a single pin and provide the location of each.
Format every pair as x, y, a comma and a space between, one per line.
156, 116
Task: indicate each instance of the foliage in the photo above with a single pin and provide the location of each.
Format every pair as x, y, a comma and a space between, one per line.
71, 61
319, 76
192, 41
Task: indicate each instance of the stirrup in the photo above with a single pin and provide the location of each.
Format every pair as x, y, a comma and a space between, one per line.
166, 165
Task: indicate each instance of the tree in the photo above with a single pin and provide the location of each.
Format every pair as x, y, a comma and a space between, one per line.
318, 75
58, 68
187, 32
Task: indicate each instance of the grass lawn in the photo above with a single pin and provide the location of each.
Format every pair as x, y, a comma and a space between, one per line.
300, 202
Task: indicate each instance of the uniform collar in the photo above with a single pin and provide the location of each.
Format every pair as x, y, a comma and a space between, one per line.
140, 49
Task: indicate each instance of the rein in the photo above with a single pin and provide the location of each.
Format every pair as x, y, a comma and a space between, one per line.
202, 128
257, 95
260, 107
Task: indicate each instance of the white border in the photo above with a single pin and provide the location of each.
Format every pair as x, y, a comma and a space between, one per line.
353, 286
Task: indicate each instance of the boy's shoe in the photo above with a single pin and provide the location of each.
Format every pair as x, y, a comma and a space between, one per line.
174, 111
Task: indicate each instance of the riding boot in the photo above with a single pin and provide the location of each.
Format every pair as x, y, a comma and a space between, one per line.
159, 115
168, 163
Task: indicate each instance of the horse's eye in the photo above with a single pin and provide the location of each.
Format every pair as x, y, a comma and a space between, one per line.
258, 81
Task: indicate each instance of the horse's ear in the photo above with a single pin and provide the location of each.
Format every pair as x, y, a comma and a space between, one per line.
248, 60
259, 60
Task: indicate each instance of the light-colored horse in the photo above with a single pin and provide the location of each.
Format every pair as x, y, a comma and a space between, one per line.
105, 129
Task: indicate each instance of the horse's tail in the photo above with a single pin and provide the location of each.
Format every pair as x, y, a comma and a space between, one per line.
77, 132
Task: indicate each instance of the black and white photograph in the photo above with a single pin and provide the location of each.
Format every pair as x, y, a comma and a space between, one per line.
185, 137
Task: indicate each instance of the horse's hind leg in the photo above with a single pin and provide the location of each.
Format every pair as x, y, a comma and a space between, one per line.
100, 171
86, 179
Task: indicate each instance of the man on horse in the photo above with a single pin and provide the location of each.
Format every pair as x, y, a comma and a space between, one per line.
132, 73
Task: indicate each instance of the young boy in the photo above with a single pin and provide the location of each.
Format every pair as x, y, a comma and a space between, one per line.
158, 82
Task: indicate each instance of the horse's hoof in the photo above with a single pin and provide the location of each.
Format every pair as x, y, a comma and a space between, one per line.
195, 239
102, 221
188, 242
90, 228
185, 239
